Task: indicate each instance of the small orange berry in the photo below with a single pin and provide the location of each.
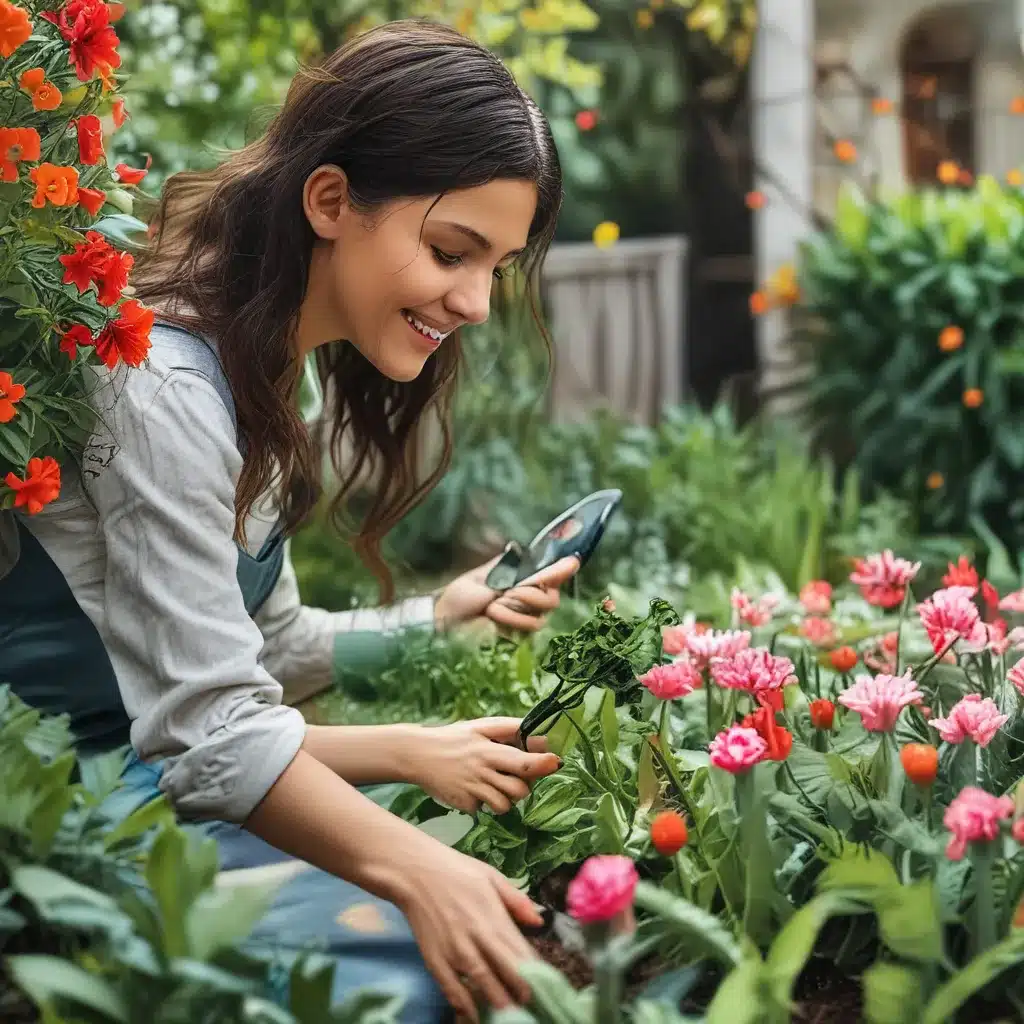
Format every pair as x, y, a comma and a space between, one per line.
1017, 105
755, 200
668, 833
951, 338
973, 397
823, 714
1014, 178
843, 659
845, 151
935, 480
758, 304
880, 105
948, 172
644, 18
921, 762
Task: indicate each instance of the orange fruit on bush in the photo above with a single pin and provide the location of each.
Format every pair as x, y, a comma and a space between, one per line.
668, 833
921, 762
843, 659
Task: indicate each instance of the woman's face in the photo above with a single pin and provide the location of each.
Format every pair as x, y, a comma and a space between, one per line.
397, 282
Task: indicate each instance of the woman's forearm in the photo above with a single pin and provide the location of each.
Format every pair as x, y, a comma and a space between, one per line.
364, 755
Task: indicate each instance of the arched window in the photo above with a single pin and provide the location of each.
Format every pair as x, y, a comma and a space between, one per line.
938, 65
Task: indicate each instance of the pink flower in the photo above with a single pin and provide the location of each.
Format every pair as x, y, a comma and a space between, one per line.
816, 597
713, 643
1013, 602
737, 749
1016, 676
880, 700
821, 632
950, 615
1018, 830
883, 578
667, 682
602, 889
1014, 639
673, 639
753, 613
971, 718
972, 817
752, 669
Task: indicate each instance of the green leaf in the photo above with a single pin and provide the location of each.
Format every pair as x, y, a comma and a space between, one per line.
50, 981
449, 829
982, 970
222, 918
738, 999
861, 869
156, 813
851, 218
48, 890
892, 995
689, 923
908, 918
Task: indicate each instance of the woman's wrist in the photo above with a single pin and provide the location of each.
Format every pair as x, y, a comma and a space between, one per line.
365, 755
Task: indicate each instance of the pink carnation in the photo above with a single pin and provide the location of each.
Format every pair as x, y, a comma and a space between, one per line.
1013, 640
667, 682
973, 817
816, 597
737, 749
821, 632
751, 612
880, 699
752, 669
716, 644
883, 578
950, 615
972, 718
1013, 602
1016, 676
602, 889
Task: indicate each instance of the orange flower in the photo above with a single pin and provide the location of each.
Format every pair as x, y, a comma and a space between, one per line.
951, 338
920, 762
843, 659
759, 303
948, 172
16, 146
45, 95
58, 185
96, 261
15, 27
132, 175
1014, 178
779, 739
935, 480
668, 833
85, 24
1017, 105
90, 139
973, 397
845, 151
823, 714
75, 335
10, 395
91, 199
755, 200
40, 486
127, 337
880, 105
118, 113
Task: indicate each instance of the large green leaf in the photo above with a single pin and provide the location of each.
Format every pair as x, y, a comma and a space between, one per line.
892, 995
51, 982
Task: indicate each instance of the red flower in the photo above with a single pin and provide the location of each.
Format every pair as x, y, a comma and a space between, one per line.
823, 713
15, 27
990, 598
85, 24
962, 574
91, 199
132, 175
127, 337
843, 659
96, 260
90, 140
17, 145
10, 395
586, 120
778, 739
668, 833
40, 486
77, 334
118, 113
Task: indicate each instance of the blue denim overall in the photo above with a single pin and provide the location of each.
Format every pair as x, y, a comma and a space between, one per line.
54, 659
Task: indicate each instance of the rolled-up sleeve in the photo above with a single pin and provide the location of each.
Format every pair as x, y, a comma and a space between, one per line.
309, 649
185, 651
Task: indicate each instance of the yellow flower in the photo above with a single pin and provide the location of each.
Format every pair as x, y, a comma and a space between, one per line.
644, 18
783, 285
606, 234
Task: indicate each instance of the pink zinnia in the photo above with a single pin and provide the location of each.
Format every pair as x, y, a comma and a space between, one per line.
737, 749
602, 889
714, 643
883, 578
972, 718
816, 597
751, 612
950, 615
821, 632
879, 700
667, 682
752, 669
1013, 602
973, 817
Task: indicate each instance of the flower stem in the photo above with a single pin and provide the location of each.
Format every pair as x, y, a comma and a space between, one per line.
984, 909
608, 983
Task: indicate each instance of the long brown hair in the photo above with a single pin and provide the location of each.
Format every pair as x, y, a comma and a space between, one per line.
408, 110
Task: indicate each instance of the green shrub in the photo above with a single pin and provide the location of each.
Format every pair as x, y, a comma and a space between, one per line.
916, 336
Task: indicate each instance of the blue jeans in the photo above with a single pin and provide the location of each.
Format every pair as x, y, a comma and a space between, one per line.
368, 939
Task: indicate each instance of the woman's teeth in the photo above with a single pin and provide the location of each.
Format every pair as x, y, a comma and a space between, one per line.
428, 332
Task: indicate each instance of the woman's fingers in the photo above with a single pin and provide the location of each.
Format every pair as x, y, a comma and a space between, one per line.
482, 974
503, 615
539, 599
454, 991
554, 575
514, 788
522, 763
492, 797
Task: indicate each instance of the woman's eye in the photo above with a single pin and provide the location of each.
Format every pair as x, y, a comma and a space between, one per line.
446, 259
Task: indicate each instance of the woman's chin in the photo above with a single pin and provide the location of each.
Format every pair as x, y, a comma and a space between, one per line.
399, 366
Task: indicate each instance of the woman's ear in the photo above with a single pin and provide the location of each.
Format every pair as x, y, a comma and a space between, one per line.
325, 201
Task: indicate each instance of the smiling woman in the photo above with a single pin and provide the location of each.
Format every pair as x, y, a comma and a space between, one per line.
156, 600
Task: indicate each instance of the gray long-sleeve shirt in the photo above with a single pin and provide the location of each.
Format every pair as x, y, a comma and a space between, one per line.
144, 537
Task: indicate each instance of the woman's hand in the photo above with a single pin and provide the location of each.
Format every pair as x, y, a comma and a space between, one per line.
472, 763
523, 607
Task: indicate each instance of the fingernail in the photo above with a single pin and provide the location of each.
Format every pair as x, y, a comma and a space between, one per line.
560, 762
